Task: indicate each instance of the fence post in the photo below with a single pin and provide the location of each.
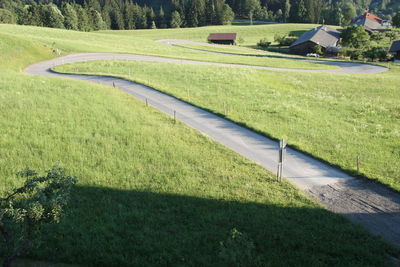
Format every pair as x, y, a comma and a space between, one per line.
282, 150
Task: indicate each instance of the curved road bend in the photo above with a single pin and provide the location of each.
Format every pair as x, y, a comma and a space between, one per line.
344, 67
365, 202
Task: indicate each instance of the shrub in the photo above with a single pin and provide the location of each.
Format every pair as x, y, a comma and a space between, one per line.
284, 40
238, 250
39, 201
318, 50
264, 43
376, 53
353, 54
355, 37
6, 16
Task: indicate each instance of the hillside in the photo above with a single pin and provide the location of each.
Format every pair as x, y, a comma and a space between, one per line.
151, 191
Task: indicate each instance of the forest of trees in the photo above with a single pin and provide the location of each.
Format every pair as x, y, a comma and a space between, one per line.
88, 15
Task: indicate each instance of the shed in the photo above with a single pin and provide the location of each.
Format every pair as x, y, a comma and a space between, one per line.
322, 35
222, 38
395, 49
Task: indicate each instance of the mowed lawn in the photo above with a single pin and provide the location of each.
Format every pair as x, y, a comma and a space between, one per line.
153, 192
335, 117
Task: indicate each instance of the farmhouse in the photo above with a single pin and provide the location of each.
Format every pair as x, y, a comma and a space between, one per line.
395, 49
222, 38
322, 35
369, 21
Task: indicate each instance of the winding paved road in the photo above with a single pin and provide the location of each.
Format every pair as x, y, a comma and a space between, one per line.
365, 202
344, 67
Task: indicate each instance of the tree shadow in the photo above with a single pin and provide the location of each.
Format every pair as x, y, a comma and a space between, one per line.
111, 227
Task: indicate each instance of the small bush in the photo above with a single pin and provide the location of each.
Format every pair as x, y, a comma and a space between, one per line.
264, 43
376, 53
238, 250
353, 54
318, 50
284, 40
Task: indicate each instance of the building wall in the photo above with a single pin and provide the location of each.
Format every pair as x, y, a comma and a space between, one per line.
303, 48
226, 42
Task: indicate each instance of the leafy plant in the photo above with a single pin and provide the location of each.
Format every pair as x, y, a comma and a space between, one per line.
23, 212
374, 53
238, 250
318, 50
355, 37
264, 43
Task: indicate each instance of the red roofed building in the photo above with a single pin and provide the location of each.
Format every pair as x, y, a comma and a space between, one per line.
222, 38
369, 21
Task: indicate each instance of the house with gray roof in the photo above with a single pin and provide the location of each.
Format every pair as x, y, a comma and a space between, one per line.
395, 49
322, 36
369, 21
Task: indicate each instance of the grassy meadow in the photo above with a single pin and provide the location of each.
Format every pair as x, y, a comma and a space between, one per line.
143, 42
152, 192
335, 117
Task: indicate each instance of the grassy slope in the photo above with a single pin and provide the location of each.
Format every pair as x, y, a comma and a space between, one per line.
335, 117
146, 198
141, 42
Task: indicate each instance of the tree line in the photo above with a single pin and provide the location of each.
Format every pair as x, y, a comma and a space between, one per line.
88, 15
332, 12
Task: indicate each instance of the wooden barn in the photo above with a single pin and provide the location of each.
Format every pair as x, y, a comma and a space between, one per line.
395, 50
222, 38
322, 35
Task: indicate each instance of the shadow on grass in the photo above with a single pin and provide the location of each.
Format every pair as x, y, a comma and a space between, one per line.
111, 227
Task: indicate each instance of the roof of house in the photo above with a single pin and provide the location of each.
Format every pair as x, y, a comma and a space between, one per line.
395, 46
222, 36
368, 20
322, 35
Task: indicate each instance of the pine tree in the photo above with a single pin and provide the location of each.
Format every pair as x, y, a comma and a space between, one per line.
176, 20
286, 13
161, 19
227, 15
53, 17
83, 18
251, 6
97, 20
70, 17
396, 20
117, 21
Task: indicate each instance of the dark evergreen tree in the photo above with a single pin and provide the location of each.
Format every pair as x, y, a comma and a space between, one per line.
70, 17
176, 20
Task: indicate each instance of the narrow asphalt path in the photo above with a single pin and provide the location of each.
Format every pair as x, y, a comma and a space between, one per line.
344, 67
365, 202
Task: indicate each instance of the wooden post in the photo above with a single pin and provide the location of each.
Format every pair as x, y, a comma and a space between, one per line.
174, 116
147, 103
358, 163
113, 84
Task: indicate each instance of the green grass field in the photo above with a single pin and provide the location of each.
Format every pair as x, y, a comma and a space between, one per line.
142, 42
335, 117
151, 191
